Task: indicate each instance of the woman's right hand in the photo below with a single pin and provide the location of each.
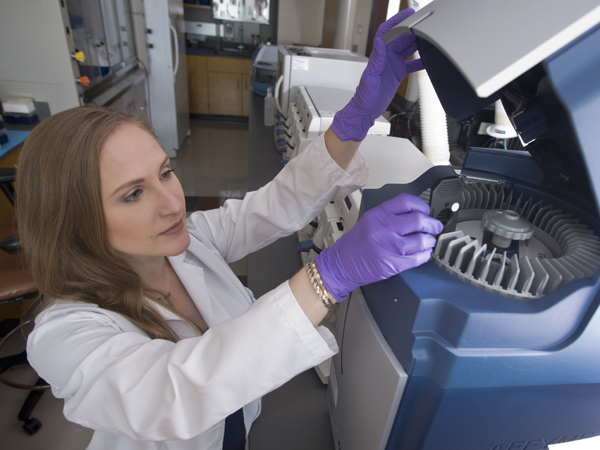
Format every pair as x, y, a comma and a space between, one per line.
386, 68
391, 238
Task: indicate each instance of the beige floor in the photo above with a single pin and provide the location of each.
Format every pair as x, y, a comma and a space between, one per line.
214, 160
212, 163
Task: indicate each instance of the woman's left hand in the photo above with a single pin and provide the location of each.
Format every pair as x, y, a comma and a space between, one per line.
379, 82
389, 239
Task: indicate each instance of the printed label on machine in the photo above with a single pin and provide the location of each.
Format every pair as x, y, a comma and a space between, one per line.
299, 64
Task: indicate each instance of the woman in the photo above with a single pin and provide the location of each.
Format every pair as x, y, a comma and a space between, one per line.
144, 330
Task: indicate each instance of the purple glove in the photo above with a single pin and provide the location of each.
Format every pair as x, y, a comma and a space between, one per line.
387, 240
379, 82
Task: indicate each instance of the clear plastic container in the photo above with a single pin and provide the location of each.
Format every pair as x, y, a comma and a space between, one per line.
269, 108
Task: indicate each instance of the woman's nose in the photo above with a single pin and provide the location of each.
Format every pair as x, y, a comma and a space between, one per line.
171, 200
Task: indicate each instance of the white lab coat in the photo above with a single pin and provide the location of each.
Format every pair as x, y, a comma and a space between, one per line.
139, 393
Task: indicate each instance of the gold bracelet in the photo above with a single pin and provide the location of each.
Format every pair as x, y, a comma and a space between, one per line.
315, 279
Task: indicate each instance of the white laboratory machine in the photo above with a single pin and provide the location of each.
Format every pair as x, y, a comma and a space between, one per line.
312, 66
310, 115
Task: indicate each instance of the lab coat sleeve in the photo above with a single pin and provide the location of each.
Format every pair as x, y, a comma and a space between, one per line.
287, 204
125, 383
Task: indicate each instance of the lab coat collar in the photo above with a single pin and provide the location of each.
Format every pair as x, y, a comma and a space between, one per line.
186, 266
190, 266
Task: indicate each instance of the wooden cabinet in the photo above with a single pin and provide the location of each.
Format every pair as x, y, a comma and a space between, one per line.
245, 94
218, 86
225, 93
197, 73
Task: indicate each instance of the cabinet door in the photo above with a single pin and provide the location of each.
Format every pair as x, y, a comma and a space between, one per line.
228, 65
197, 83
245, 94
225, 93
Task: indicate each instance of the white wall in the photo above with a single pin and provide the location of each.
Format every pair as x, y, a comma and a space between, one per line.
361, 26
352, 25
300, 22
34, 55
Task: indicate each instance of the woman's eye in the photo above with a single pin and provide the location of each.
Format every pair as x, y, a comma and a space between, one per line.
133, 196
166, 174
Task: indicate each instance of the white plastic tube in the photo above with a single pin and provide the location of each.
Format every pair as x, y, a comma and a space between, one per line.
434, 129
502, 128
500, 116
276, 96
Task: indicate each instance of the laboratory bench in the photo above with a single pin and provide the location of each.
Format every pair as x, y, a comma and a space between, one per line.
294, 416
16, 137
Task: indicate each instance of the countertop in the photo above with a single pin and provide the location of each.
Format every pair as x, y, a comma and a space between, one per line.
224, 53
15, 138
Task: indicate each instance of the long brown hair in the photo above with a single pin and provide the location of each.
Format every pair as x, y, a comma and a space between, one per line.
61, 222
